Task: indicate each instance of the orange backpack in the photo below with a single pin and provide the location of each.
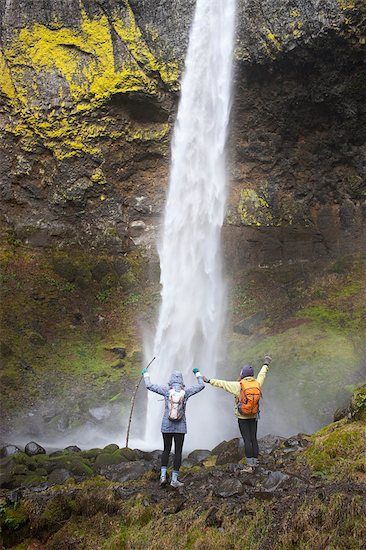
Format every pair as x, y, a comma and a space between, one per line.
250, 394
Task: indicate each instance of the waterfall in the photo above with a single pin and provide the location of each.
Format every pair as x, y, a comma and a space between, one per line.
192, 311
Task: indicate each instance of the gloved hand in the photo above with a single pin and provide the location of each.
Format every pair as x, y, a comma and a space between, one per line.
144, 371
267, 360
195, 371
206, 380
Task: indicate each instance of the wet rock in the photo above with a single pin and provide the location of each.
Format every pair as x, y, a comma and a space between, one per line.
59, 476
199, 455
111, 448
233, 451
228, 488
248, 325
9, 450
120, 352
128, 454
73, 449
220, 447
32, 448
126, 471
274, 480
269, 443
146, 455
106, 459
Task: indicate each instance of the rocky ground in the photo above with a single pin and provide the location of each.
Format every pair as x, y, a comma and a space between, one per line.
308, 492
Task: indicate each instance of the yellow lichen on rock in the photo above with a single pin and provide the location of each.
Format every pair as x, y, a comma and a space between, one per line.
347, 4
6, 84
273, 39
130, 33
254, 209
82, 62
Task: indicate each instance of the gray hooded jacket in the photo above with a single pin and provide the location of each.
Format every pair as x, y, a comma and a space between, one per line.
176, 382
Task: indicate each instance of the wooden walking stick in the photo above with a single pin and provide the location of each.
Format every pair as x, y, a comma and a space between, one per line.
133, 403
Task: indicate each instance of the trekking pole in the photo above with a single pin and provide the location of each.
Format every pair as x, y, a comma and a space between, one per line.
133, 403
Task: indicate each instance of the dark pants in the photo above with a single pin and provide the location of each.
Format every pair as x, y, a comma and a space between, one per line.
248, 430
178, 447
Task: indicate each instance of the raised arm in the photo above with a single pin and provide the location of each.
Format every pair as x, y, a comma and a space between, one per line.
191, 390
162, 390
263, 372
231, 387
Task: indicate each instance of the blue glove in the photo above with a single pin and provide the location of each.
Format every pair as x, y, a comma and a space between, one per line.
195, 371
144, 371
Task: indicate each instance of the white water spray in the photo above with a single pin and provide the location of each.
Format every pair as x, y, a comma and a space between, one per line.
192, 309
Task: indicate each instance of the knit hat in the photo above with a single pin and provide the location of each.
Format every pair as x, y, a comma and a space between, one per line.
247, 370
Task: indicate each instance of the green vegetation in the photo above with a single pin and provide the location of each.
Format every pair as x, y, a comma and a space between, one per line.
338, 451
62, 314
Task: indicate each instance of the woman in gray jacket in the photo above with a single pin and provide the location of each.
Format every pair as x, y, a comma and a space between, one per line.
173, 428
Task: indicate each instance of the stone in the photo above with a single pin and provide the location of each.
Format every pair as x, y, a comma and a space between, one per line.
120, 352
232, 452
72, 449
269, 443
217, 450
111, 448
32, 448
128, 454
9, 450
228, 488
199, 455
59, 476
127, 471
274, 480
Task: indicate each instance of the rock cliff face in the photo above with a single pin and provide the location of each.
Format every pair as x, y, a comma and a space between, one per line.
88, 97
88, 94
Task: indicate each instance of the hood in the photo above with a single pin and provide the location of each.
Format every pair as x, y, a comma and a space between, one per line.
176, 380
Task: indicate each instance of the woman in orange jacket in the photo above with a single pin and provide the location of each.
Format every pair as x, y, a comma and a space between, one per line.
247, 391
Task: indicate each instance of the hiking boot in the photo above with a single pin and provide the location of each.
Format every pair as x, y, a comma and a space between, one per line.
176, 484
163, 481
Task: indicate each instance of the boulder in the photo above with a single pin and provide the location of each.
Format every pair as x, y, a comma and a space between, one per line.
269, 443
274, 480
126, 471
197, 456
228, 488
128, 454
232, 452
32, 448
9, 450
59, 476
111, 448
120, 352
220, 447
72, 449
106, 459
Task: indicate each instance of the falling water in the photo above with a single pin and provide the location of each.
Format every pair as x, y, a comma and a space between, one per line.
192, 307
